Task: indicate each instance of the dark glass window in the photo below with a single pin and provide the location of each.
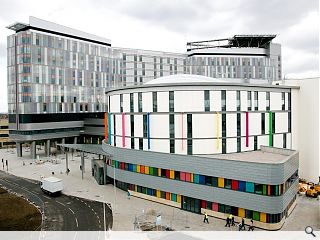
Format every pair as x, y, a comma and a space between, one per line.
289, 101
273, 122
256, 100
227, 183
131, 103
258, 188
177, 175
141, 143
206, 100
171, 125
172, 146
263, 123
139, 102
121, 103
283, 102
227, 209
163, 172
223, 100
224, 125
239, 124
171, 101
221, 207
238, 144
145, 126
208, 180
249, 214
289, 122
224, 145
189, 133
284, 140
132, 130
268, 100
238, 101
255, 139
155, 101
249, 100
214, 181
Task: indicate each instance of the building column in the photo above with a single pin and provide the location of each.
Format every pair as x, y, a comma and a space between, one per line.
82, 164
19, 149
75, 140
63, 141
47, 147
33, 150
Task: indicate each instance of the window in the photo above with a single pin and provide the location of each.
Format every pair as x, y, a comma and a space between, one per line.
208, 180
139, 102
263, 123
249, 101
224, 145
289, 101
206, 100
177, 175
227, 183
238, 144
141, 143
145, 125
284, 140
132, 130
121, 103
171, 101
131, 103
289, 122
238, 101
172, 146
224, 125
256, 100
154, 101
255, 142
223, 100
283, 95
239, 124
273, 122
171, 131
221, 207
268, 100
189, 133
214, 181
258, 188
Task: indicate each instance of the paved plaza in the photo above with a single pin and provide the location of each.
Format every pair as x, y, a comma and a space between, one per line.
126, 210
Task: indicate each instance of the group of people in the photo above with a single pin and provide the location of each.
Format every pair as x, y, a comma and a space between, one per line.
230, 222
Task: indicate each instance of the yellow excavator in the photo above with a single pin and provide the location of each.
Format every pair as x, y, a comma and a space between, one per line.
313, 191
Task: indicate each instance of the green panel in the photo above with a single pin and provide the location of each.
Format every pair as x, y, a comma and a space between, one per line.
256, 216
264, 190
277, 190
270, 130
151, 171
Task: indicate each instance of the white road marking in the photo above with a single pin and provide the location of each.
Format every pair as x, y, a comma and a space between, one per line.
46, 197
60, 203
71, 211
76, 222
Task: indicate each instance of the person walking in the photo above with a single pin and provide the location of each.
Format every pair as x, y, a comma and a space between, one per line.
232, 221
129, 194
242, 224
251, 225
206, 219
227, 222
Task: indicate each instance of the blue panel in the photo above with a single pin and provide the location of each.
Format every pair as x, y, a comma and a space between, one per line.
249, 187
148, 130
196, 178
109, 128
130, 167
242, 186
202, 179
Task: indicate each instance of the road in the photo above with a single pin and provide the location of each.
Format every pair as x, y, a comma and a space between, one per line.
61, 213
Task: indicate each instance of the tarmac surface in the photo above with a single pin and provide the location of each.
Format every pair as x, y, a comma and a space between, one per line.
60, 213
125, 210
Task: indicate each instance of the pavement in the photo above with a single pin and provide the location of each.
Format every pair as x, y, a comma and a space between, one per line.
125, 210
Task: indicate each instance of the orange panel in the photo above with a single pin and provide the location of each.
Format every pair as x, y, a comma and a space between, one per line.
167, 195
179, 198
263, 217
241, 212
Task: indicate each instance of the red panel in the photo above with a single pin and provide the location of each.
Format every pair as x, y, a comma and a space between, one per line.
188, 177
141, 169
203, 204
122, 165
234, 185
182, 176
167, 173
215, 206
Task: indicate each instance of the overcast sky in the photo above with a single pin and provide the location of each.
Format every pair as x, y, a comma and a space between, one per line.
167, 25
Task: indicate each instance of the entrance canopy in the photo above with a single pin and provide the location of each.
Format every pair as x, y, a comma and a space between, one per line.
88, 148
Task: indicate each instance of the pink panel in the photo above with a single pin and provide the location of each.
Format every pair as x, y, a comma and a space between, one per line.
182, 176
215, 206
123, 131
188, 177
247, 129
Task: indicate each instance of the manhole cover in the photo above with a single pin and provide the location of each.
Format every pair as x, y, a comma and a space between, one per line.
97, 196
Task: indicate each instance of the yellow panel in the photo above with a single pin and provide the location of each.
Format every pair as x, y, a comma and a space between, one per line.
159, 172
221, 182
172, 174
263, 217
146, 170
241, 212
179, 198
138, 168
158, 193
136, 188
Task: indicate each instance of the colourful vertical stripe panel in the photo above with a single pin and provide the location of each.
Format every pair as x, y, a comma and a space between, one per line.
270, 130
109, 128
123, 132
148, 120
105, 126
247, 129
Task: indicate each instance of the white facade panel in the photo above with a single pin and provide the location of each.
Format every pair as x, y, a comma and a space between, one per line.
138, 125
135, 102
215, 101
204, 125
163, 101
187, 101
115, 103
254, 123
204, 146
262, 102
231, 119
281, 122
159, 126
278, 140
243, 144
126, 103
275, 101
231, 145
244, 101
158, 145
181, 146
119, 125
147, 102
231, 99
263, 141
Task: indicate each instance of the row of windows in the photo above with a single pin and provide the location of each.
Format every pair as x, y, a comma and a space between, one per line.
195, 205
243, 186
207, 101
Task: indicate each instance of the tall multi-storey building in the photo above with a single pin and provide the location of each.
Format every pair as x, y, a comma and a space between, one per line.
57, 76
